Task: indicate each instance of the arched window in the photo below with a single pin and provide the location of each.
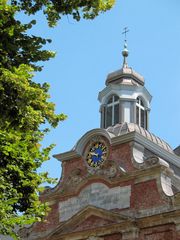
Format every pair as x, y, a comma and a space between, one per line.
112, 111
141, 113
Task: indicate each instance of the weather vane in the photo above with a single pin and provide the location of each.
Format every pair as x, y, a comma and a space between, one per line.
126, 30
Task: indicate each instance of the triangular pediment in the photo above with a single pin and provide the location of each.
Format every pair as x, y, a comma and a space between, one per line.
89, 218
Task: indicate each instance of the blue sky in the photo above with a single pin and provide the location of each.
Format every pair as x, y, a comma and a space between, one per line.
88, 50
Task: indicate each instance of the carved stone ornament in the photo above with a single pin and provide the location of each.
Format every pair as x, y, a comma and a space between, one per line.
150, 161
109, 169
73, 180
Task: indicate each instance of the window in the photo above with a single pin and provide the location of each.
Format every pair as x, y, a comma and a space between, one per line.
141, 113
112, 111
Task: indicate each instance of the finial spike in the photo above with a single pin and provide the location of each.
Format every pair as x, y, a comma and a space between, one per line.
125, 51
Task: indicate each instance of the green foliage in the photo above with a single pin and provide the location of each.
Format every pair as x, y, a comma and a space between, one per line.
55, 9
25, 108
23, 103
16, 46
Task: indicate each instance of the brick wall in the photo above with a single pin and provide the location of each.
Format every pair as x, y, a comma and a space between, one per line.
145, 195
51, 221
72, 164
121, 154
92, 222
165, 232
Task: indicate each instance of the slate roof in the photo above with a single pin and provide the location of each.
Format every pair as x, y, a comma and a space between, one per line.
124, 128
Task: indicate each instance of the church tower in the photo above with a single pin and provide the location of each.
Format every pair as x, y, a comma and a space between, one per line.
120, 181
125, 98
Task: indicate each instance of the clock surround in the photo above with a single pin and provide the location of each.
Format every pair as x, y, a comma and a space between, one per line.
96, 152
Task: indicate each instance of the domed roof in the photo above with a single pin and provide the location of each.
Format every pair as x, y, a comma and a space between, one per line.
124, 128
125, 73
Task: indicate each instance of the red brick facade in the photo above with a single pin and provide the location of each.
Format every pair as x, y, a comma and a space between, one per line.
122, 200
165, 232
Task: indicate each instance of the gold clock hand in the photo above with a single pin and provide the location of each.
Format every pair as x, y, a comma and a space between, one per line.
94, 154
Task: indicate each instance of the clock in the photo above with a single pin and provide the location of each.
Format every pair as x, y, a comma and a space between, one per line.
96, 154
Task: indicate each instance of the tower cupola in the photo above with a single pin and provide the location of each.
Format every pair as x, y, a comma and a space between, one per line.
125, 98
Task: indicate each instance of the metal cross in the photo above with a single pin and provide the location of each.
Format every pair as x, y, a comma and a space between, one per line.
126, 30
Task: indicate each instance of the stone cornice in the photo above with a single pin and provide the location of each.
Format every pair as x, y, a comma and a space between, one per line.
128, 137
114, 87
161, 218
67, 155
77, 151
122, 227
136, 176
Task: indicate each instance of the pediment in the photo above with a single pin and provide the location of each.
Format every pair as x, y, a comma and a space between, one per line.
89, 218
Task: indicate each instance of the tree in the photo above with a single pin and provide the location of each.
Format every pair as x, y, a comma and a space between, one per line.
55, 9
25, 109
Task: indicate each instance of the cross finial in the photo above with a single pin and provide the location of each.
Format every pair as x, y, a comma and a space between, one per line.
125, 52
126, 30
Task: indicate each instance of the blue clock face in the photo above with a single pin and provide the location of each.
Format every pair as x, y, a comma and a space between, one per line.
96, 154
